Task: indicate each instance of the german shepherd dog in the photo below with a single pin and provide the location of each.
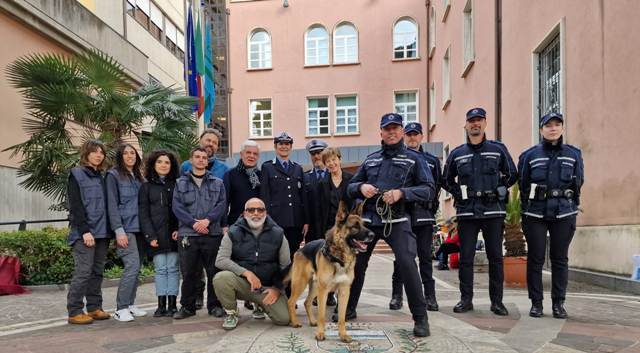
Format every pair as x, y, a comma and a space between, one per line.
327, 265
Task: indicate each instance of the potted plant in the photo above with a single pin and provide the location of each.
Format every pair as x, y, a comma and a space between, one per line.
515, 258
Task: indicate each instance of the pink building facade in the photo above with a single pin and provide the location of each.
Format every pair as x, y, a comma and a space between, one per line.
324, 69
571, 56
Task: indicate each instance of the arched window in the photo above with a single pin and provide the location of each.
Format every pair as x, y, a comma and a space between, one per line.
316, 46
345, 44
405, 39
259, 51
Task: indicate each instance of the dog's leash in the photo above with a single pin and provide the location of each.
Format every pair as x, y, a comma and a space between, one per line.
383, 210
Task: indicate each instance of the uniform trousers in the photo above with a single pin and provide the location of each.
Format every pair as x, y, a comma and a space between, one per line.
424, 241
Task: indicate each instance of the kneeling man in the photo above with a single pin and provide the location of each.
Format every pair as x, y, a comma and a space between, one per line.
253, 260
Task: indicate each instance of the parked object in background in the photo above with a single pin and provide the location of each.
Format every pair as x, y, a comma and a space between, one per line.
9, 275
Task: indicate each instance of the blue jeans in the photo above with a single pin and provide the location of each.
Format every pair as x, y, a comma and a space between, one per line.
167, 273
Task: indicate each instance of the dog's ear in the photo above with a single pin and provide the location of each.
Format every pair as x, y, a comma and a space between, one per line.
342, 214
358, 209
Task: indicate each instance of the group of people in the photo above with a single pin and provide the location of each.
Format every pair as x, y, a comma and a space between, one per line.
243, 225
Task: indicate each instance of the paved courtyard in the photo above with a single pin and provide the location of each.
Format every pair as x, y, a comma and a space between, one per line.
600, 321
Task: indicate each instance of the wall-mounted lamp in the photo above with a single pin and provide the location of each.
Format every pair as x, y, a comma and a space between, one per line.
285, 3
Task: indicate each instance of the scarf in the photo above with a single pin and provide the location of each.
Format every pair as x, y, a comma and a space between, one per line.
251, 173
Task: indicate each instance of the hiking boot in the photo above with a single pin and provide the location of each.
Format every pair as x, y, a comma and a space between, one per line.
80, 319
421, 327
172, 306
231, 321
99, 314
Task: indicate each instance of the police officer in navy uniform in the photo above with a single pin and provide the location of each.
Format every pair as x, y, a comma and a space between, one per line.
478, 175
551, 175
422, 221
312, 179
388, 180
282, 190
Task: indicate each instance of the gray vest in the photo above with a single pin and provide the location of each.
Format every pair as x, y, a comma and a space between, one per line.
93, 199
128, 188
259, 255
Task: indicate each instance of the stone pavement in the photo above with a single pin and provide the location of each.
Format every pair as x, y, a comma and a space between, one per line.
600, 321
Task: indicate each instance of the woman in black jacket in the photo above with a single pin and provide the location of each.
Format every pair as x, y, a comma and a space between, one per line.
160, 226
334, 188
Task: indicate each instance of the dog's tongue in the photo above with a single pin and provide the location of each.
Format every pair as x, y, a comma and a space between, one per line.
361, 245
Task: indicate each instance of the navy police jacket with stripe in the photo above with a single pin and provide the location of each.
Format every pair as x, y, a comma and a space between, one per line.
479, 169
557, 167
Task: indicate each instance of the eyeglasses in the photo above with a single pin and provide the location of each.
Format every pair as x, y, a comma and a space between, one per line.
255, 210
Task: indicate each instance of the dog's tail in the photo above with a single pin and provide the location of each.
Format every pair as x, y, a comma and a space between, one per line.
285, 274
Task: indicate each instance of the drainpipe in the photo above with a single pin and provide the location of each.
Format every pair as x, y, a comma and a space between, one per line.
498, 107
427, 3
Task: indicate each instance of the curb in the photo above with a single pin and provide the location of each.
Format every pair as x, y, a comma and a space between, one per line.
106, 283
614, 282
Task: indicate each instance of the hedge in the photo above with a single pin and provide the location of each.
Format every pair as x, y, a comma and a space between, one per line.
44, 254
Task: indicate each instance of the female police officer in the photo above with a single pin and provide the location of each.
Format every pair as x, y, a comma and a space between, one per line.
551, 175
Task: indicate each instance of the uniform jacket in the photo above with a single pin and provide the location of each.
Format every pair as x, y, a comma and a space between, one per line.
482, 168
122, 201
88, 204
191, 202
283, 193
392, 167
312, 187
558, 167
423, 213
157, 220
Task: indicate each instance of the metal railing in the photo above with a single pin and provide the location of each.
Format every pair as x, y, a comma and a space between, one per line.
22, 225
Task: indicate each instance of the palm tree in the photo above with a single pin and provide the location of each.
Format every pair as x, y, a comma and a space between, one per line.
70, 99
514, 241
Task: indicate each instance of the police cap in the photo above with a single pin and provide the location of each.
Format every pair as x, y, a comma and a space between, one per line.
476, 113
545, 119
390, 118
283, 137
413, 127
316, 146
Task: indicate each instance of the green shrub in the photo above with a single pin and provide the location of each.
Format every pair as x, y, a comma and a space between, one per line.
44, 254
116, 272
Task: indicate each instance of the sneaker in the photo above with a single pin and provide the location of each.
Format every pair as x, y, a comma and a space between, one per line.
137, 312
123, 315
98, 314
231, 320
258, 313
80, 319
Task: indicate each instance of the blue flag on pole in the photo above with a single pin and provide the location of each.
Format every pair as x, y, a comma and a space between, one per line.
192, 83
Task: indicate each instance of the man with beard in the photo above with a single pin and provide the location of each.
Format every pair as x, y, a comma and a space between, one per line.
422, 220
478, 175
387, 180
210, 142
253, 259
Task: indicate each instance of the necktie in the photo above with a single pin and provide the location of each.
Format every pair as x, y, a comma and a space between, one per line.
285, 165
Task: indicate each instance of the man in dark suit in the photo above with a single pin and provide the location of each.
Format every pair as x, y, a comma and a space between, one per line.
312, 180
282, 190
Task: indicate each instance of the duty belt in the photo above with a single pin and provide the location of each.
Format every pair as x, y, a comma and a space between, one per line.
556, 193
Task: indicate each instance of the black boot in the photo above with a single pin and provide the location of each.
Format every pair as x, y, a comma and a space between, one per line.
172, 308
536, 308
499, 309
331, 299
350, 315
396, 302
432, 303
162, 306
463, 306
421, 327
558, 309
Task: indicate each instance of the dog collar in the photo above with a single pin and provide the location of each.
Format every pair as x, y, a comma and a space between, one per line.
331, 257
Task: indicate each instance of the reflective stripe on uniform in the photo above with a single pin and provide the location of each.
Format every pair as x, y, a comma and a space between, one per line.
465, 156
533, 215
566, 214
538, 159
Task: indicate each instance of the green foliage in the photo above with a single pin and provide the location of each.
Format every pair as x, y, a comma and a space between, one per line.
117, 270
89, 94
45, 255
514, 207
292, 343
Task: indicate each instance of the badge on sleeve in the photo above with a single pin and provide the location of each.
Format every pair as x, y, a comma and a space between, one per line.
299, 185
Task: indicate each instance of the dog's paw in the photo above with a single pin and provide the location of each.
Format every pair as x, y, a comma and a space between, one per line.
313, 323
295, 324
320, 336
345, 338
